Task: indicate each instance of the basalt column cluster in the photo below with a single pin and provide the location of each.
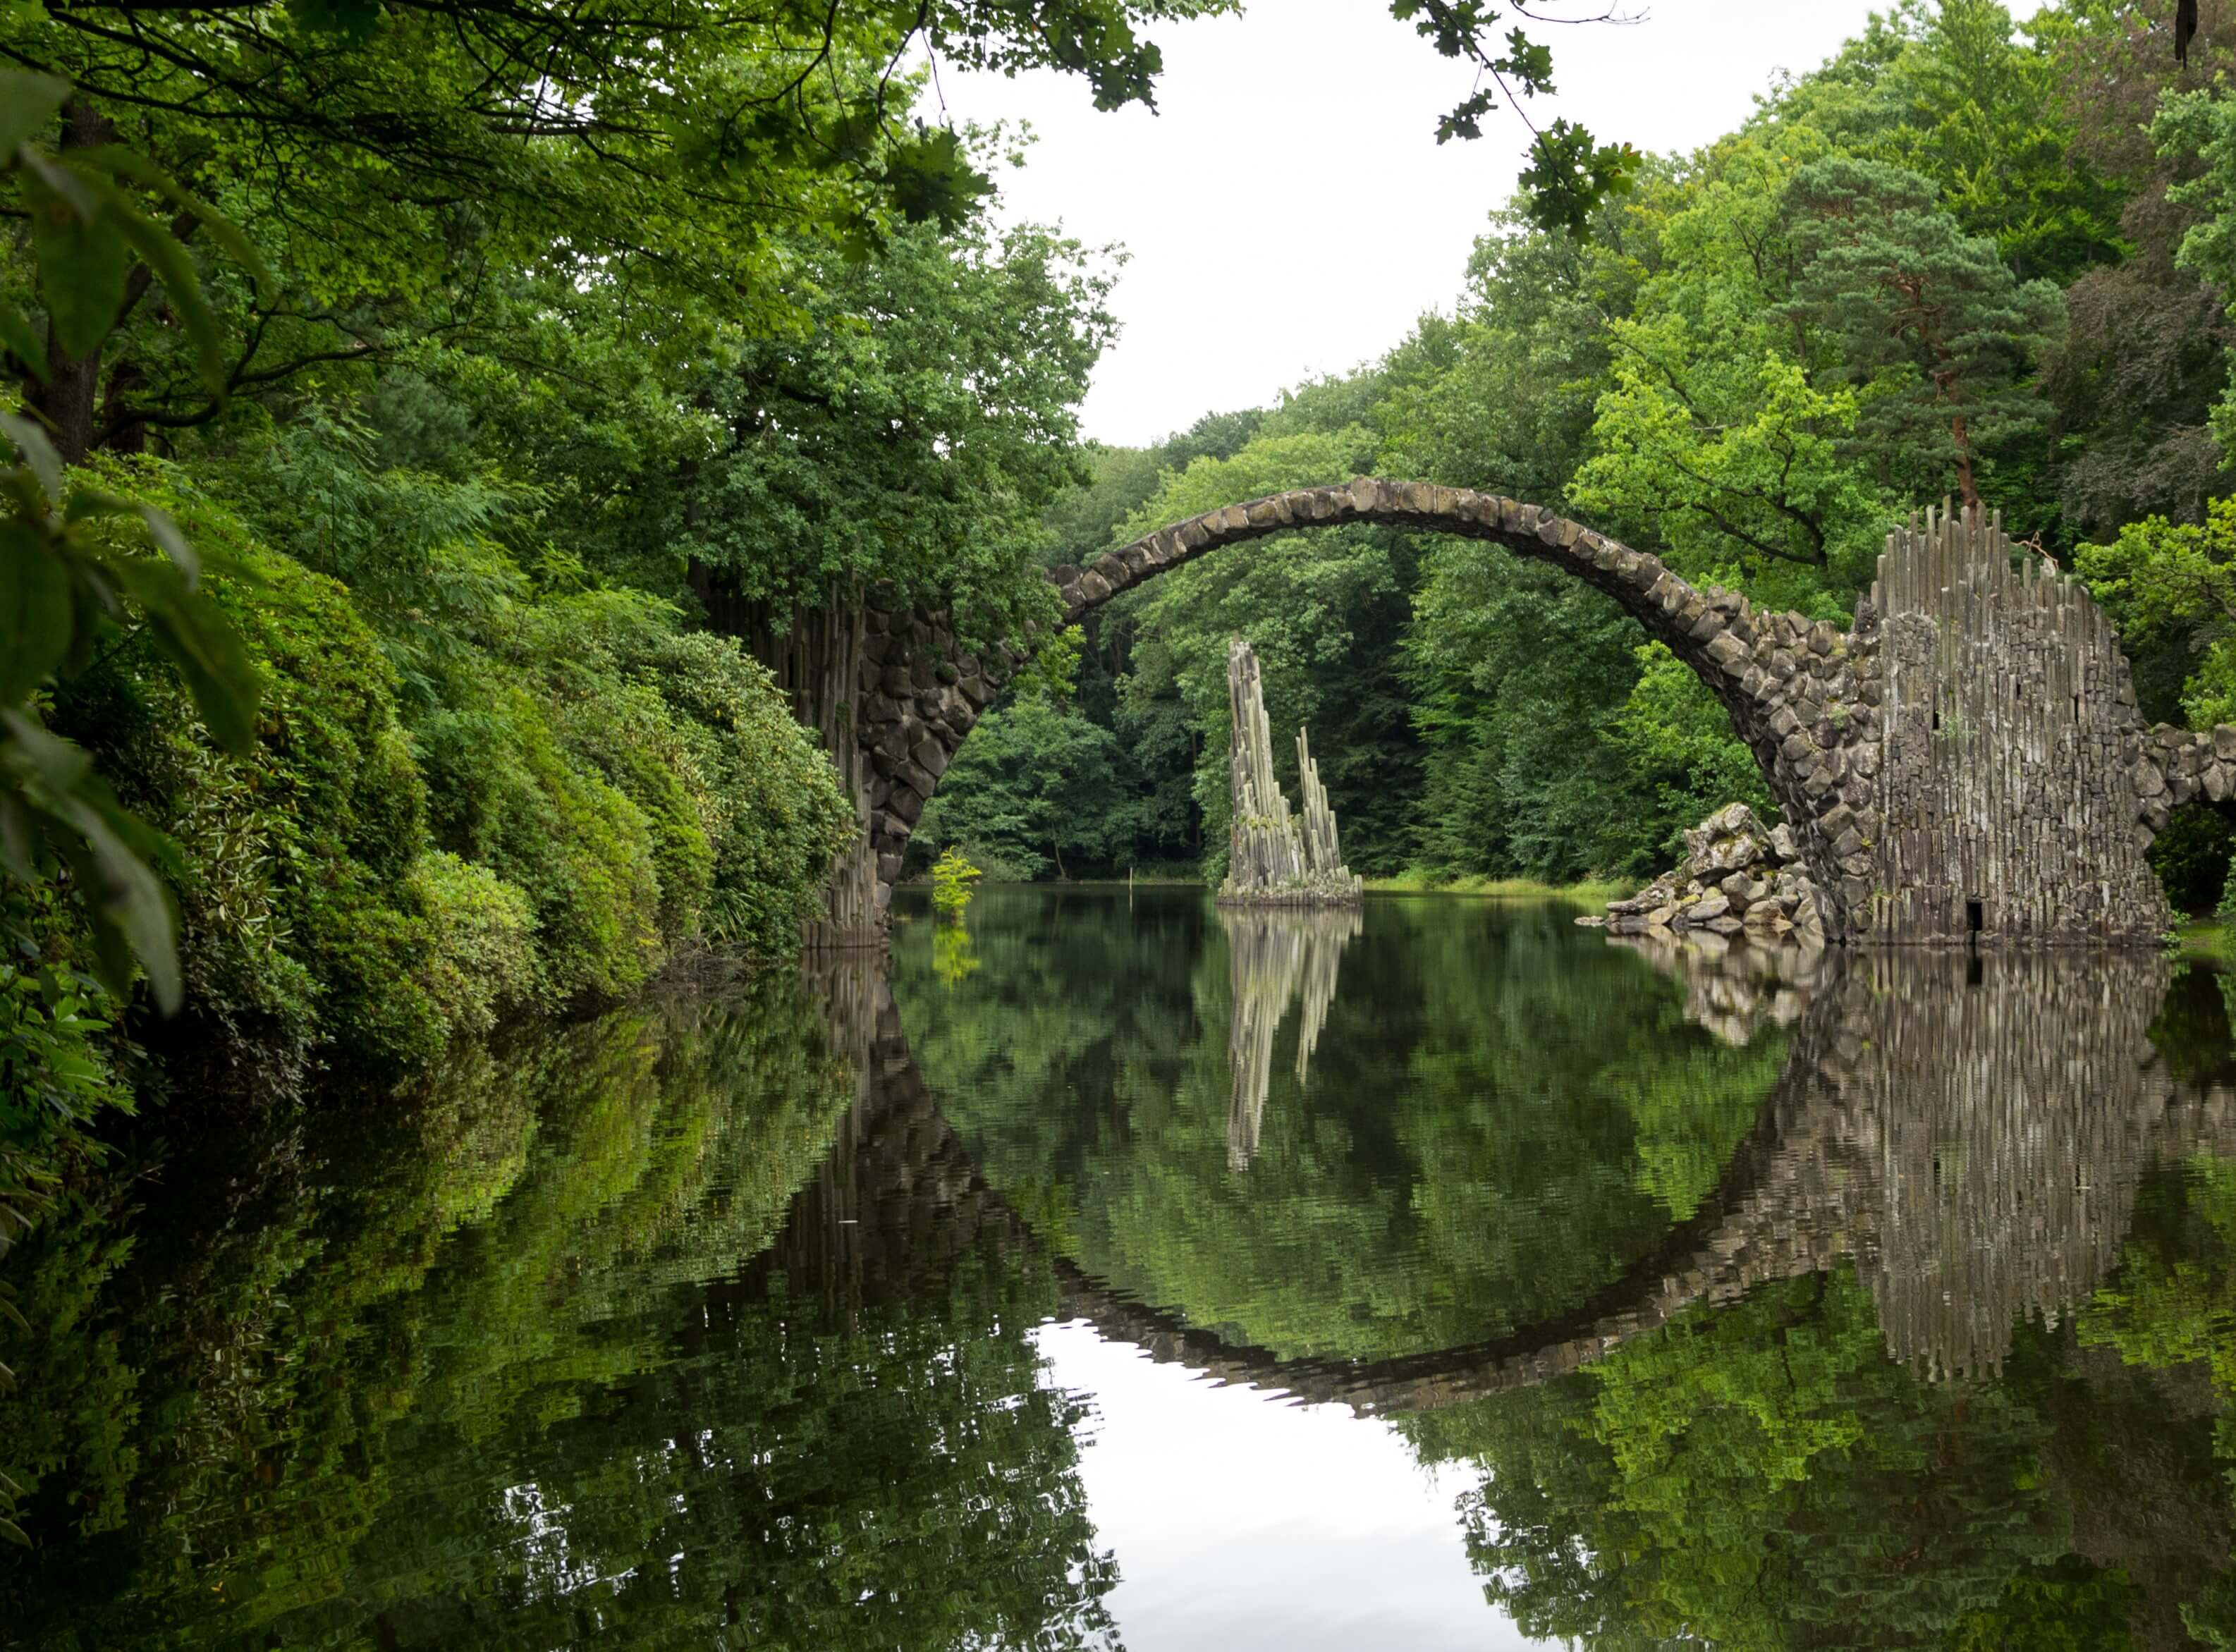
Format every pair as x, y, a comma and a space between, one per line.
2008, 760
1276, 857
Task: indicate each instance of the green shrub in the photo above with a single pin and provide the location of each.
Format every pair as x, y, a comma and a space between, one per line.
768, 800
951, 877
479, 962
508, 795
534, 810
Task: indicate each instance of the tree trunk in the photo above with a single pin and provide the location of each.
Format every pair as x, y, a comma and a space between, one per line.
71, 396
816, 656
1966, 487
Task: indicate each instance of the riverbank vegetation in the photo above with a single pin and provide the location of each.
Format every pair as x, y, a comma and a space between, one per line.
432, 431
458, 455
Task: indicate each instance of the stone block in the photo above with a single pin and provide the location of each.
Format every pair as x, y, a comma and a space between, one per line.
1728, 652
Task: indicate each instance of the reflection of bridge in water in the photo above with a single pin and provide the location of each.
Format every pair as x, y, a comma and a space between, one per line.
1970, 1132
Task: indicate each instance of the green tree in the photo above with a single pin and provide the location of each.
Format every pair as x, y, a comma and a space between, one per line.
1034, 783
1942, 341
2171, 588
1323, 610
1726, 438
911, 438
663, 154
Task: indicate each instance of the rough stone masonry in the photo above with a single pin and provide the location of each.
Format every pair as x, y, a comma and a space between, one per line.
1965, 765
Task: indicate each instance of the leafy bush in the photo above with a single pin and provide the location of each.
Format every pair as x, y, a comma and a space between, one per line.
951, 879
532, 811
481, 958
508, 795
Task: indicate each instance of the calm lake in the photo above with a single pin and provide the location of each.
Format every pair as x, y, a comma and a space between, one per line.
1116, 1270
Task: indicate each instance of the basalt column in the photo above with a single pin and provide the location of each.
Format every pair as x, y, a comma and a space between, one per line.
818, 657
1273, 859
2005, 754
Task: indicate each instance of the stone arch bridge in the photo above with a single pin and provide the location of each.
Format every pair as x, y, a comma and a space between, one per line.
1966, 763
1973, 1146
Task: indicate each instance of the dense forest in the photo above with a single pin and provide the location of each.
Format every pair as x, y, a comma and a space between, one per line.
1962, 258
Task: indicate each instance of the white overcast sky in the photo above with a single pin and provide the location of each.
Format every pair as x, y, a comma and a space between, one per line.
1287, 211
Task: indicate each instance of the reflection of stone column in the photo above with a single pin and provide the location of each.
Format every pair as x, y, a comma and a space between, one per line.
1273, 959
1973, 1141
897, 1200
2005, 1125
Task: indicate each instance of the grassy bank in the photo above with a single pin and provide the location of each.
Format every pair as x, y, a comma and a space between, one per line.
1591, 892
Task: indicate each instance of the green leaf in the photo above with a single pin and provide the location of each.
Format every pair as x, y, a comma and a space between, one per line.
34, 611
53, 761
196, 634
22, 340
38, 452
28, 103
162, 252
128, 163
82, 257
173, 542
131, 910
930, 177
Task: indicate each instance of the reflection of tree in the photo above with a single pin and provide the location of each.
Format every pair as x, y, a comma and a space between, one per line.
953, 958
1276, 958
497, 1370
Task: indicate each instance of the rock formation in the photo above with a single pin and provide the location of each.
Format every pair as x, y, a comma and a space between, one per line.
1274, 859
1737, 879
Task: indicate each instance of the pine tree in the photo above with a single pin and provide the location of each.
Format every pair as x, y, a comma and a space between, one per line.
1939, 335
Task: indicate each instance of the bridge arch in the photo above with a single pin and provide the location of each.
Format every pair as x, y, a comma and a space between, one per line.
1795, 691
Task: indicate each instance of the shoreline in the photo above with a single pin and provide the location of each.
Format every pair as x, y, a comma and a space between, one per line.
1588, 893
1591, 892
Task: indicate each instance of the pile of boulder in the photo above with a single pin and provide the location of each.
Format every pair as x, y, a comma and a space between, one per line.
1738, 881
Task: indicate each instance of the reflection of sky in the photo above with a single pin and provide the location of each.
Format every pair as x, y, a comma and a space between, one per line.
1241, 1522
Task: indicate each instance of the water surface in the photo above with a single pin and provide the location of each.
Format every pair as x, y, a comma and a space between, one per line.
1116, 1270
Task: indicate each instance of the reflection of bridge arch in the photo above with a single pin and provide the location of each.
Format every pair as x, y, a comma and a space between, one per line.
1975, 1149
